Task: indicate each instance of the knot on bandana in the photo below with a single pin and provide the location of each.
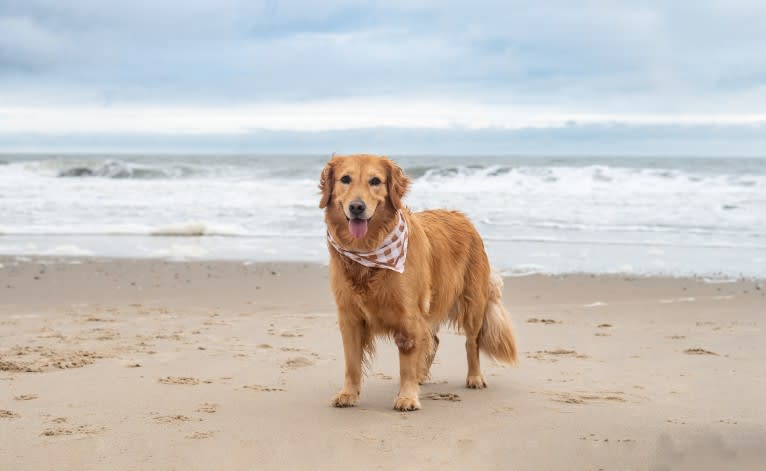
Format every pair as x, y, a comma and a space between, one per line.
390, 255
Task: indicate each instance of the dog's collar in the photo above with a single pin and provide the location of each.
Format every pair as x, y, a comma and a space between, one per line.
391, 254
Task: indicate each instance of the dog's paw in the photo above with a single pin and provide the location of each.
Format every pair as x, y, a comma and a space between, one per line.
343, 399
476, 382
404, 403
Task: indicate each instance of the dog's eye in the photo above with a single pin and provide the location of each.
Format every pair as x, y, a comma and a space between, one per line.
375, 181
345, 179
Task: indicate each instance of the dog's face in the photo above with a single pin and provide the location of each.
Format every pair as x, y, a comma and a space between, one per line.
361, 190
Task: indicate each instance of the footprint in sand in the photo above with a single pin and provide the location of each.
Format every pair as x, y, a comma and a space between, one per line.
551, 355
594, 438
208, 408
7, 414
258, 387
98, 319
179, 380
437, 396
297, 362
291, 334
675, 421
535, 320
569, 398
25, 397
699, 351
39, 359
74, 430
215, 322
199, 435
290, 349
174, 419
295, 350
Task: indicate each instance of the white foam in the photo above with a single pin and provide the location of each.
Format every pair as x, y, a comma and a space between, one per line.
523, 270
67, 250
686, 219
182, 251
199, 229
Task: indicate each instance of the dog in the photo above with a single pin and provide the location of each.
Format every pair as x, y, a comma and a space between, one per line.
402, 274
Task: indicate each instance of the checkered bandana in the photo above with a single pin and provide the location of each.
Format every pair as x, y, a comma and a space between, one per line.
390, 255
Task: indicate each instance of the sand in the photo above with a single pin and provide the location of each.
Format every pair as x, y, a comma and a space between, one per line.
140, 364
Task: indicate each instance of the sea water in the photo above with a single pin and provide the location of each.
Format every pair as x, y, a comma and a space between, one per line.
644, 216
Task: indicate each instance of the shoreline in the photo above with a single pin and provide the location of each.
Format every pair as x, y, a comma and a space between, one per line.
119, 363
7, 260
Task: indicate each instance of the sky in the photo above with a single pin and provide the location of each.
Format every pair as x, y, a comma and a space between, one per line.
500, 77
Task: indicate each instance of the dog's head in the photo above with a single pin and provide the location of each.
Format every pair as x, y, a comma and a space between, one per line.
363, 193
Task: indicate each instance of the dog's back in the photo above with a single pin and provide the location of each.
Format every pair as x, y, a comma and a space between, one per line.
464, 291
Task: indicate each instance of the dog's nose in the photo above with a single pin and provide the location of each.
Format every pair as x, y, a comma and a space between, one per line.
356, 207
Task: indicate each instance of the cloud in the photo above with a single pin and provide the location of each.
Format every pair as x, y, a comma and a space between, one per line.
328, 115
426, 62
27, 47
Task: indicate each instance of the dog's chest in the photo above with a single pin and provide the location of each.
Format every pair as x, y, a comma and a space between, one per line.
364, 281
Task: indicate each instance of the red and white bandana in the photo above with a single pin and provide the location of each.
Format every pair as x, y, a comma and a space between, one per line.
390, 255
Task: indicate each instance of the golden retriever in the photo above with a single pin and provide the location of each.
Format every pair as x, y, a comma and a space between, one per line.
446, 278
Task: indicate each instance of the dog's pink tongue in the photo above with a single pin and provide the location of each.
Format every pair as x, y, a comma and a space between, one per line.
357, 227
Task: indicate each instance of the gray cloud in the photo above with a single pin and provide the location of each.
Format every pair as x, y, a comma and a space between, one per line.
560, 56
28, 47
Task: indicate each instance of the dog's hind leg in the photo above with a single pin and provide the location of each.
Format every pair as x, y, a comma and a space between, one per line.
472, 304
475, 379
425, 373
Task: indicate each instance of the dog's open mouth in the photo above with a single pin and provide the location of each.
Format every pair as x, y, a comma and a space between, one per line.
357, 227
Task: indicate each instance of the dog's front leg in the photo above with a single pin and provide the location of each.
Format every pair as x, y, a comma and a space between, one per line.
410, 340
354, 333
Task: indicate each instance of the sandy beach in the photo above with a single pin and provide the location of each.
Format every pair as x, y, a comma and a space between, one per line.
148, 364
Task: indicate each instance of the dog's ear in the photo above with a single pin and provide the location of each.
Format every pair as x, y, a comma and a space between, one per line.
325, 184
397, 184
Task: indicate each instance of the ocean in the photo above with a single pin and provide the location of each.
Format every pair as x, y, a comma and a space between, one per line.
641, 216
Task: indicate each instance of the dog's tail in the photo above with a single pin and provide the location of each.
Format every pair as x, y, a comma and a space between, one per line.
496, 337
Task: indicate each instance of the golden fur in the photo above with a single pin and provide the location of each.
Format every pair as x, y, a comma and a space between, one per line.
447, 278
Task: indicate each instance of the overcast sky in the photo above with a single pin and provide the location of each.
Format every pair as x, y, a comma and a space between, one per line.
591, 77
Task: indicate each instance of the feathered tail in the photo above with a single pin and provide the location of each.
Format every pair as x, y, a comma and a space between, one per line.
496, 338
